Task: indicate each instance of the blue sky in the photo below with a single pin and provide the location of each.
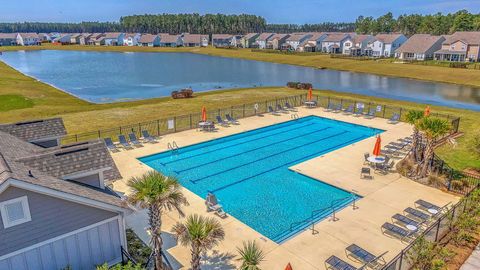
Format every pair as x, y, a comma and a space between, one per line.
275, 11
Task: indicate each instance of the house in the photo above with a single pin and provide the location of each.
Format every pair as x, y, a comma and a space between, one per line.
357, 45
312, 44
44, 133
294, 41
262, 39
419, 47
28, 39
63, 39
55, 208
195, 40
167, 40
385, 45
8, 39
114, 39
131, 39
248, 40
44, 37
276, 41
149, 40
94, 39
79, 38
223, 40
333, 42
460, 47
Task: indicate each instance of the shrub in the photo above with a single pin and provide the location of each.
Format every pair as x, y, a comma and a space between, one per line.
405, 167
475, 144
128, 266
458, 184
436, 180
425, 255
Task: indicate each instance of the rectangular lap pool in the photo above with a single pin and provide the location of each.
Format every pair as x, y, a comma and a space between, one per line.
248, 172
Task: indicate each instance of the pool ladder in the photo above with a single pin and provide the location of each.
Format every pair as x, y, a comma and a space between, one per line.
294, 116
173, 147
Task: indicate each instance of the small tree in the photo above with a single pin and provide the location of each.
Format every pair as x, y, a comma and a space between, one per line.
201, 233
128, 266
425, 255
412, 117
251, 255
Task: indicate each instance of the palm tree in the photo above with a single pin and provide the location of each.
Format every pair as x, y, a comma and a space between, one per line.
432, 128
157, 193
412, 118
251, 255
201, 233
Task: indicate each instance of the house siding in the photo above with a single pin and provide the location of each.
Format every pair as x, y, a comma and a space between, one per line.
51, 217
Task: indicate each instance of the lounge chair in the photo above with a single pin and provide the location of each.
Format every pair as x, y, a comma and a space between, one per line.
212, 205
365, 173
221, 122
335, 263
359, 112
123, 141
371, 113
338, 108
110, 145
396, 231
147, 137
349, 110
290, 107
281, 109
133, 139
417, 214
404, 220
330, 107
272, 111
394, 119
231, 119
361, 255
427, 205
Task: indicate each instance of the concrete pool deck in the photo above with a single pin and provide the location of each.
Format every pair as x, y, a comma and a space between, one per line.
383, 196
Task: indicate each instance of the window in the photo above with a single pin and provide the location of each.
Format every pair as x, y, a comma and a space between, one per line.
15, 212
348, 44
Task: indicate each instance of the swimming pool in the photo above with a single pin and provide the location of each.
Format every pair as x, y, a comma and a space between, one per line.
248, 172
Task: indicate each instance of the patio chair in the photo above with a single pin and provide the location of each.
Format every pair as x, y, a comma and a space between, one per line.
110, 145
272, 111
281, 109
356, 253
371, 113
427, 205
396, 231
394, 119
349, 110
221, 122
359, 112
338, 108
335, 263
366, 156
290, 107
417, 214
212, 205
123, 141
330, 107
133, 139
231, 119
147, 137
404, 220
365, 173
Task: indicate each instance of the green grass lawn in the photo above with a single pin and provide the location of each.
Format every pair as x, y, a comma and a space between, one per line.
14, 102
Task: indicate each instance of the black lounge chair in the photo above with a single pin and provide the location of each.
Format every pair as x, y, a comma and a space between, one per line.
394, 119
338, 108
335, 263
147, 137
290, 107
427, 205
281, 109
403, 220
220, 121
110, 145
231, 119
349, 110
361, 255
330, 107
396, 231
134, 140
417, 214
359, 112
272, 111
371, 113
123, 141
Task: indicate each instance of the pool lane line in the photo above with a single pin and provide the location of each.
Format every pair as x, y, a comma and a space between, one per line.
290, 162
269, 156
213, 150
251, 150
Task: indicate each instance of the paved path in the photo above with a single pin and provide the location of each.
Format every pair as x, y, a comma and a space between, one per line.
473, 262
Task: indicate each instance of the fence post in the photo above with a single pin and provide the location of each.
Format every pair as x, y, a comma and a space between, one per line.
438, 229
174, 124
243, 111
401, 260
158, 127
384, 109
120, 130
400, 114
328, 104
190, 121
76, 137
99, 134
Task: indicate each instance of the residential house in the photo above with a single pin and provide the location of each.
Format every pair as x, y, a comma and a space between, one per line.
28, 39
149, 40
419, 47
167, 40
248, 40
276, 41
131, 39
63, 39
56, 210
114, 39
195, 40
294, 41
333, 42
222, 40
44, 37
385, 45
44, 133
357, 45
313, 44
95, 39
460, 47
8, 39
262, 39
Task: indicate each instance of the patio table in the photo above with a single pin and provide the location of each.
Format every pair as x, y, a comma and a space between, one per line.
205, 125
310, 104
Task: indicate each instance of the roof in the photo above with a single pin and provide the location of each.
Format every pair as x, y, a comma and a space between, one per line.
29, 35
279, 36
166, 38
112, 34
221, 36
419, 43
296, 37
361, 38
250, 35
387, 38
194, 38
36, 129
315, 36
8, 35
335, 37
450, 52
148, 38
264, 36
130, 35
471, 38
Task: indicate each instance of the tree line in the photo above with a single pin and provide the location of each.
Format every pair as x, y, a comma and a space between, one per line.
319, 27
436, 24
41, 27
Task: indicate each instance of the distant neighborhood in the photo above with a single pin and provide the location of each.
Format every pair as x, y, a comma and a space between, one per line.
457, 47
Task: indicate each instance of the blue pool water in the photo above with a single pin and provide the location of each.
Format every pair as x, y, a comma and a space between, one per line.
248, 172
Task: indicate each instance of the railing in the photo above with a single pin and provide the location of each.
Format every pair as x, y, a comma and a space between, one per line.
126, 257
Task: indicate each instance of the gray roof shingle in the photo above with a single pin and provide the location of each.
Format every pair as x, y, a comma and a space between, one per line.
36, 130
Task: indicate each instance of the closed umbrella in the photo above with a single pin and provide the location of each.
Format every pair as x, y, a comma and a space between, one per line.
310, 94
289, 267
427, 111
204, 114
378, 145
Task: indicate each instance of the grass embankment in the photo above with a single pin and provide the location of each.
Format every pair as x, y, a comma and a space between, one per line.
380, 67
23, 98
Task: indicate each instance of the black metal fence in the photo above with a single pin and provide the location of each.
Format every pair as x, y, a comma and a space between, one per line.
434, 233
184, 122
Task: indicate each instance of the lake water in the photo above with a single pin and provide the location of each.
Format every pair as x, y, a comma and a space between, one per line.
103, 77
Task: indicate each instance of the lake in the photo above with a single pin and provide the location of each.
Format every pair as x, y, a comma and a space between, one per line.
103, 77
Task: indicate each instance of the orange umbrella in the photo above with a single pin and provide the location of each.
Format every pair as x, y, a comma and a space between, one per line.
376, 149
289, 267
310, 94
427, 111
204, 114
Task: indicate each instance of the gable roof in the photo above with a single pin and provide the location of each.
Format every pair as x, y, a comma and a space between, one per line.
194, 38
250, 35
221, 36
361, 38
336, 37
387, 38
112, 35
278, 36
420, 43
166, 38
8, 35
471, 38
264, 36
36, 129
147, 38
296, 37
29, 35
